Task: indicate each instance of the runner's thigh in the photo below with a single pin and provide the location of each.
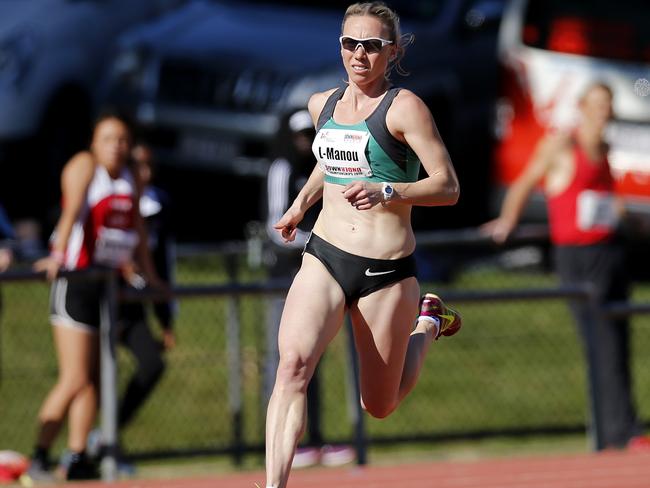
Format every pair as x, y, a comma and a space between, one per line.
313, 312
382, 324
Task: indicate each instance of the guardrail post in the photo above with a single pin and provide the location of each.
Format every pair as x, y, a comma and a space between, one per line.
595, 431
354, 397
274, 307
233, 345
108, 369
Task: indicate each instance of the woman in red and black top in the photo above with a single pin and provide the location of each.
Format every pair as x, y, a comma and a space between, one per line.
583, 215
100, 225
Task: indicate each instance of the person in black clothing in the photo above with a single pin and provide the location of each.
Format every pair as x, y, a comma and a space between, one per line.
286, 176
133, 329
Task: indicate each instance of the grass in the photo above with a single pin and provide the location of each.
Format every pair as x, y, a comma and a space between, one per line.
515, 365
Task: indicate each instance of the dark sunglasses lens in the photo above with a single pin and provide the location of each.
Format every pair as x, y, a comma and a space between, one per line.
349, 44
369, 45
372, 45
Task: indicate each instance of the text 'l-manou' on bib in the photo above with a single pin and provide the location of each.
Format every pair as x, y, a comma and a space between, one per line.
342, 153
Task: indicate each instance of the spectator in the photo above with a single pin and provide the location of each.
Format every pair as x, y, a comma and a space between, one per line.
100, 225
287, 175
7, 236
133, 329
583, 218
132, 326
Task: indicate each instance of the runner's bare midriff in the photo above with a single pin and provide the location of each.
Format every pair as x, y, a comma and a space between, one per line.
383, 232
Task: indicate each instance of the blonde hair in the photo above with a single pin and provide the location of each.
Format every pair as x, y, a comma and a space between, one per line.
389, 18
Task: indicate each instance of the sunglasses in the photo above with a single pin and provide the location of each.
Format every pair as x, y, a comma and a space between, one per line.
370, 44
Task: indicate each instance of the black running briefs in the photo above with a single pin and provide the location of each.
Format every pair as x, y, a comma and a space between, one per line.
359, 276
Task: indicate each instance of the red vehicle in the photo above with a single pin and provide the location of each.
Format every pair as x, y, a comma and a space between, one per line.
549, 51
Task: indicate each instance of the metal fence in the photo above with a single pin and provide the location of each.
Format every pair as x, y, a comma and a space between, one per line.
516, 369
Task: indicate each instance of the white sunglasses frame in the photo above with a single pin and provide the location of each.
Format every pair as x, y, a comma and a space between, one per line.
359, 42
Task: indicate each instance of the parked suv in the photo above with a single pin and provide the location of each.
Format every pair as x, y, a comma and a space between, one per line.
52, 57
550, 50
210, 82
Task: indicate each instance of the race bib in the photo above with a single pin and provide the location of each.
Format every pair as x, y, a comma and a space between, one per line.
114, 247
596, 210
342, 153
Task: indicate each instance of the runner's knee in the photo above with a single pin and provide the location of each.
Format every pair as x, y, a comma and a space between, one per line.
71, 385
379, 409
293, 372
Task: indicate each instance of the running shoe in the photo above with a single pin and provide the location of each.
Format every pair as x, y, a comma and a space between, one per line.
337, 455
82, 468
94, 444
39, 471
305, 457
432, 306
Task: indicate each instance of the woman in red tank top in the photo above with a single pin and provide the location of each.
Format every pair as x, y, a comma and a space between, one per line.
585, 212
583, 217
98, 192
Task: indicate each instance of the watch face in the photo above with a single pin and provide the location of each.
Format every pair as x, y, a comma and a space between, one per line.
387, 190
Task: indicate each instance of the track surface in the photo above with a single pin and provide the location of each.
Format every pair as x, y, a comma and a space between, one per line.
603, 470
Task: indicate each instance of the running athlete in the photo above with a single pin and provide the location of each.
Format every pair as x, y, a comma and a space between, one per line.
371, 139
100, 225
286, 177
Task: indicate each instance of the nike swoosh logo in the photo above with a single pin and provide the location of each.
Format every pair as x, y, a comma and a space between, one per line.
377, 273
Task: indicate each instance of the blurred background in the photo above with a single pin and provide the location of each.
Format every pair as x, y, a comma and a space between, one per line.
207, 84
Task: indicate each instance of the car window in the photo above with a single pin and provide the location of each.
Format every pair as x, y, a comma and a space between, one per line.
417, 9
597, 28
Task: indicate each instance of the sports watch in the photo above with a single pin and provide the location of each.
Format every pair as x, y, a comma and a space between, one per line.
387, 191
